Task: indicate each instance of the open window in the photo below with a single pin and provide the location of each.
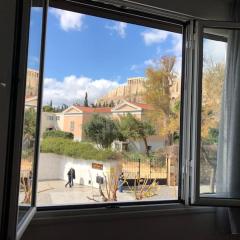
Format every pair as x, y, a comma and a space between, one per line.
25, 109
216, 119
136, 159
117, 138
139, 164
112, 107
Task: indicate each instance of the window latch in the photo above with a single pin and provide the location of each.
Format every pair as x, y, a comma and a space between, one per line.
112, 206
2, 84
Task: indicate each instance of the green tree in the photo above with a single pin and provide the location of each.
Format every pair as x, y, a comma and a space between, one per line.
48, 108
77, 102
132, 128
213, 78
64, 107
29, 127
86, 100
112, 104
102, 130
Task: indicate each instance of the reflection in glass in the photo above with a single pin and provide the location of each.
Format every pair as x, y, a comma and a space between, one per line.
30, 113
219, 150
212, 85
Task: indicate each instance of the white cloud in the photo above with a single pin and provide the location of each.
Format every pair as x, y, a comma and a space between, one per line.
214, 50
154, 36
68, 20
176, 50
119, 28
151, 63
134, 67
73, 88
155, 63
177, 44
137, 68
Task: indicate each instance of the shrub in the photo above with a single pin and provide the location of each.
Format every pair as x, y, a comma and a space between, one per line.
57, 134
73, 149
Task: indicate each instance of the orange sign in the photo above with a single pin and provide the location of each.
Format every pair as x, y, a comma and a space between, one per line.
97, 166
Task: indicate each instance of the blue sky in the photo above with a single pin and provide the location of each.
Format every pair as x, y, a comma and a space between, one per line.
86, 53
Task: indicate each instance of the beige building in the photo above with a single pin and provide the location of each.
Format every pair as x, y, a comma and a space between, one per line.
32, 83
138, 110
75, 117
51, 121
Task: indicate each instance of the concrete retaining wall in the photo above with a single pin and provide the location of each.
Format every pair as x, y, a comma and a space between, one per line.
52, 166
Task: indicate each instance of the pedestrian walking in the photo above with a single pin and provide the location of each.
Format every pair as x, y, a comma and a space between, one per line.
120, 182
73, 175
70, 178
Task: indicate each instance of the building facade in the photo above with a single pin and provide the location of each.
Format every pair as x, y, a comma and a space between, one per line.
75, 117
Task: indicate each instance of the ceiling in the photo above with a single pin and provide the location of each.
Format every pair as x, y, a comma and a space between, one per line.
205, 9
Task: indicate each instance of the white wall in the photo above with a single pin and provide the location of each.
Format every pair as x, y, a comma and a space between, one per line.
58, 123
52, 166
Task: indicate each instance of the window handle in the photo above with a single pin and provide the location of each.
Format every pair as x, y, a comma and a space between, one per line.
2, 84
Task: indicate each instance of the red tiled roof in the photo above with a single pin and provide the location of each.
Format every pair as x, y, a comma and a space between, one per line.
93, 110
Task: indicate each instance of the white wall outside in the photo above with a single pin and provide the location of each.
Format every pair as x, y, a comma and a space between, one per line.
52, 167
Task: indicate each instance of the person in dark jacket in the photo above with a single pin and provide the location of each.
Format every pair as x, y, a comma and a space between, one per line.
70, 174
73, 175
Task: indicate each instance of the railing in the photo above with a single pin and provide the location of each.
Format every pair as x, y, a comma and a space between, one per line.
150, 168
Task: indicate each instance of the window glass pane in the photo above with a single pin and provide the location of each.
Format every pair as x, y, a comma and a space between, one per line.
30, 112
112, 91
219, 117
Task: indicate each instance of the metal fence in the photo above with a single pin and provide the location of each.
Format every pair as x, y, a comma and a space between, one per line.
150, 168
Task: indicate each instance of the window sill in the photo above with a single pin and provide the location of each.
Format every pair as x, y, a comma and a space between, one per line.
44, 217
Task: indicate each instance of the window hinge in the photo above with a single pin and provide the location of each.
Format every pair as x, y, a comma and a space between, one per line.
189, 165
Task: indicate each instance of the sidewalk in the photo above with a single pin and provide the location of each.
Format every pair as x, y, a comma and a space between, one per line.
54, 193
